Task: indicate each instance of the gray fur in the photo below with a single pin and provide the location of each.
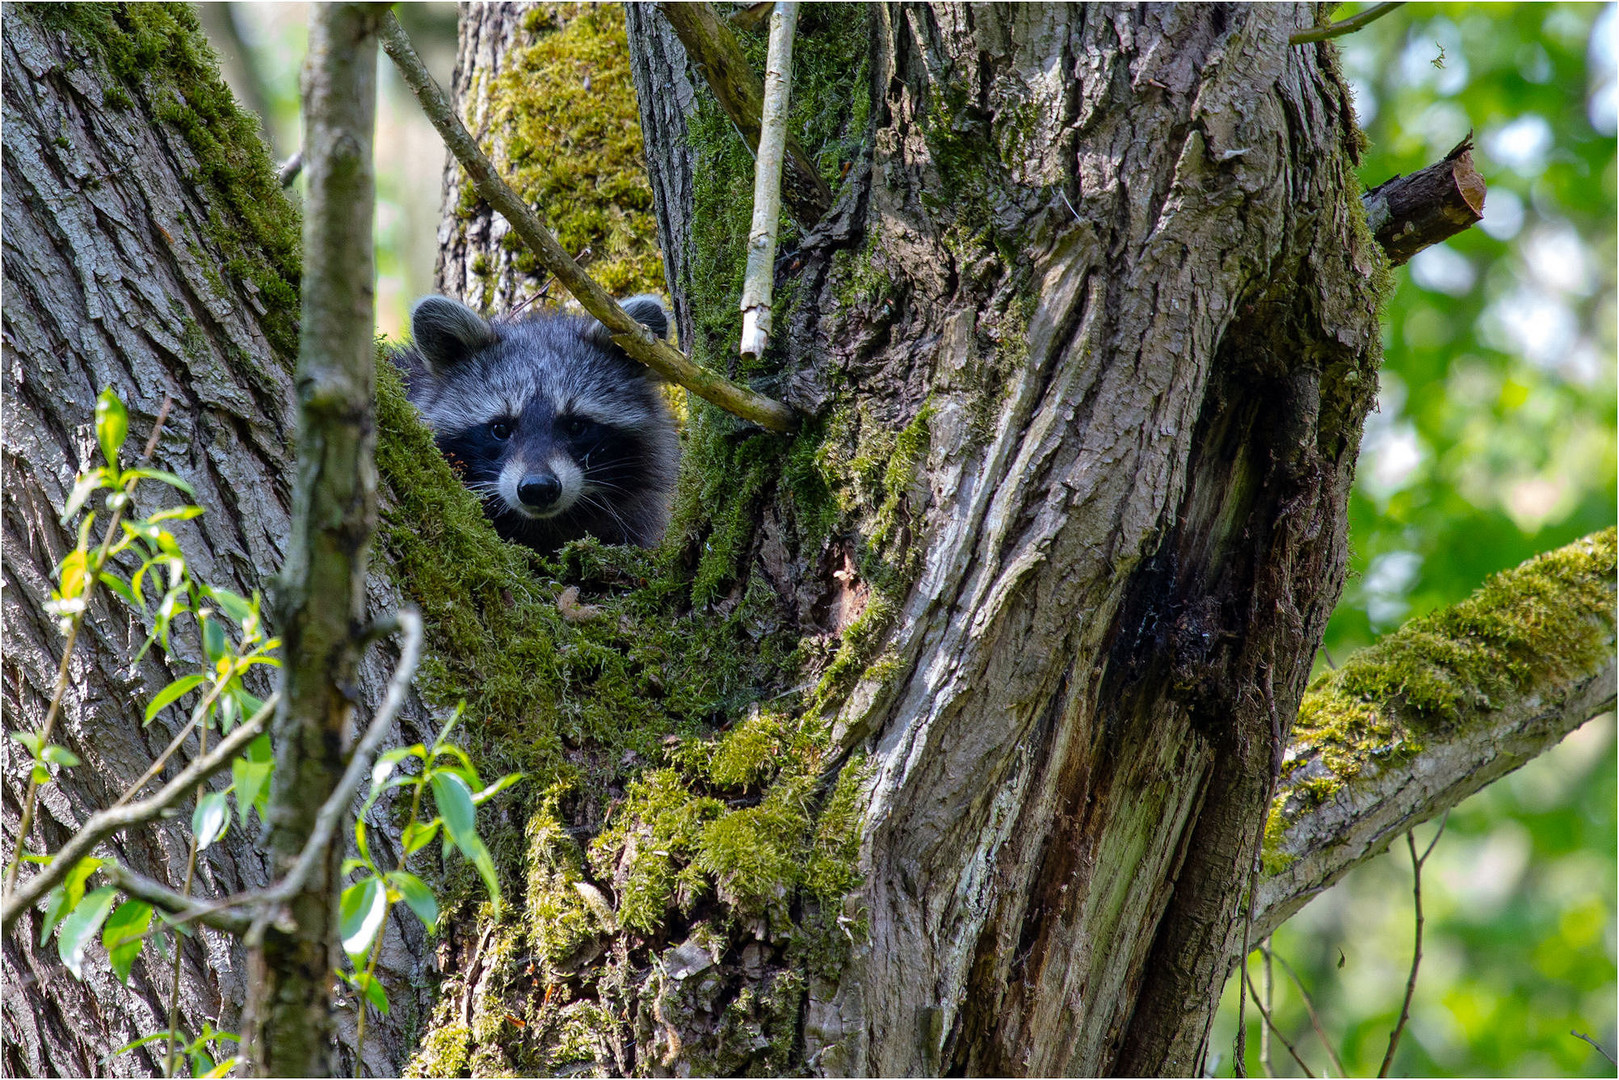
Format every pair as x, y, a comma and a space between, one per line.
464, 372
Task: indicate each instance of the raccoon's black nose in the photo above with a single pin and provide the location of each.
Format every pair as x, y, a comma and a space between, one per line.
539, 492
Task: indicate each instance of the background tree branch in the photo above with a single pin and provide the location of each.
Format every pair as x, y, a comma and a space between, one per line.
1450, 702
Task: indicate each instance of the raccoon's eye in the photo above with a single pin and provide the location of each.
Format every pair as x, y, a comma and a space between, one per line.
501, 429
573, 426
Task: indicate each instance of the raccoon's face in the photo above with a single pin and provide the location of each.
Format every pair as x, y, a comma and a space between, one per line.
558, 431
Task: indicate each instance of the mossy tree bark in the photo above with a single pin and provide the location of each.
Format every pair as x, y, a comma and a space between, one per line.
147, 248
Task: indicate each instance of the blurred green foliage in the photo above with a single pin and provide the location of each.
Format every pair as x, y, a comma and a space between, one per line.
1494, 440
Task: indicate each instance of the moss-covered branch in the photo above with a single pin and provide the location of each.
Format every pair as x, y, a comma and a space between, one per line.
1451, 701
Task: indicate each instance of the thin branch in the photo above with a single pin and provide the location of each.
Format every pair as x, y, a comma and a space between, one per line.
220, 914
1315, 1018
1416, 948
336, 806
1595, 1045
104, 824
635, 339
288, 171
1343, 26
1270, 1007
757, 286
1265, 1015
715, 52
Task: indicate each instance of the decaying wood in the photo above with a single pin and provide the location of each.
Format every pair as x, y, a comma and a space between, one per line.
1409, 213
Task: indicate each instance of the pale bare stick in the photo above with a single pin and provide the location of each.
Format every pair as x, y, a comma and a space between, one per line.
759, 283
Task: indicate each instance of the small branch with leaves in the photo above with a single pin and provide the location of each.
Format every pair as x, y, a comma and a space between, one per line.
635, 339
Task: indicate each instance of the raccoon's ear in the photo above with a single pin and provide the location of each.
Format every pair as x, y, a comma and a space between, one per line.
645, 309
446, 332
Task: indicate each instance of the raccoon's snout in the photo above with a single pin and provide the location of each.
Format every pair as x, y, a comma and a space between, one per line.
540, 492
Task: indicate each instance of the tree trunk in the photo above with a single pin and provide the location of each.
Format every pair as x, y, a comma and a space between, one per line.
1097, 299
147, 248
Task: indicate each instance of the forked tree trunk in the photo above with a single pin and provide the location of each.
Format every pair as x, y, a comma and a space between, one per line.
1110, 265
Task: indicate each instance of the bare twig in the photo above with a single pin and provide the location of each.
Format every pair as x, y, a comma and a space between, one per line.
635, 339
1343, 26
289, 170
173, 1058
1416, 948
1270, 1007
337, 804
759, 283
1264, 1014
717, 55
1315, 1018
104, 824
1594, 1045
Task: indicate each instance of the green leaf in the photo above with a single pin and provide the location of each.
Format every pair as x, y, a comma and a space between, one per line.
234, 606
39, 774
360, 916
250, 779
224, 1067
418, 835
124, 935
213, 640
112, 425
210, 819
496, 788
79, 928
165, 478
171, 692
121, 587
368, 985
76, 878
55, 909
83, 488
31, 740
454, 800
416, 895
60, 755
177, 513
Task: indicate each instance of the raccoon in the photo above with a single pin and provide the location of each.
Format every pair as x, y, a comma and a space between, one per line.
550, 424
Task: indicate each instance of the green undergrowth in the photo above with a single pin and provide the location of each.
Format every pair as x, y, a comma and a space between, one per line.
1524, 628
566, 135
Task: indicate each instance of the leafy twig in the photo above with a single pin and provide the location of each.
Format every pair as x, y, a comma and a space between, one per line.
1343, 26
635, 339
1416, 948
104, 824
332, 810
758, 284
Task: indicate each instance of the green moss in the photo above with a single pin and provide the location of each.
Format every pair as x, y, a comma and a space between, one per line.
444, 1052
159, 52
1523, 628
567, 137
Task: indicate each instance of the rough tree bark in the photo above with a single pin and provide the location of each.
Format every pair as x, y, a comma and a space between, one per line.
147, 248
1084, 343
1153, 234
